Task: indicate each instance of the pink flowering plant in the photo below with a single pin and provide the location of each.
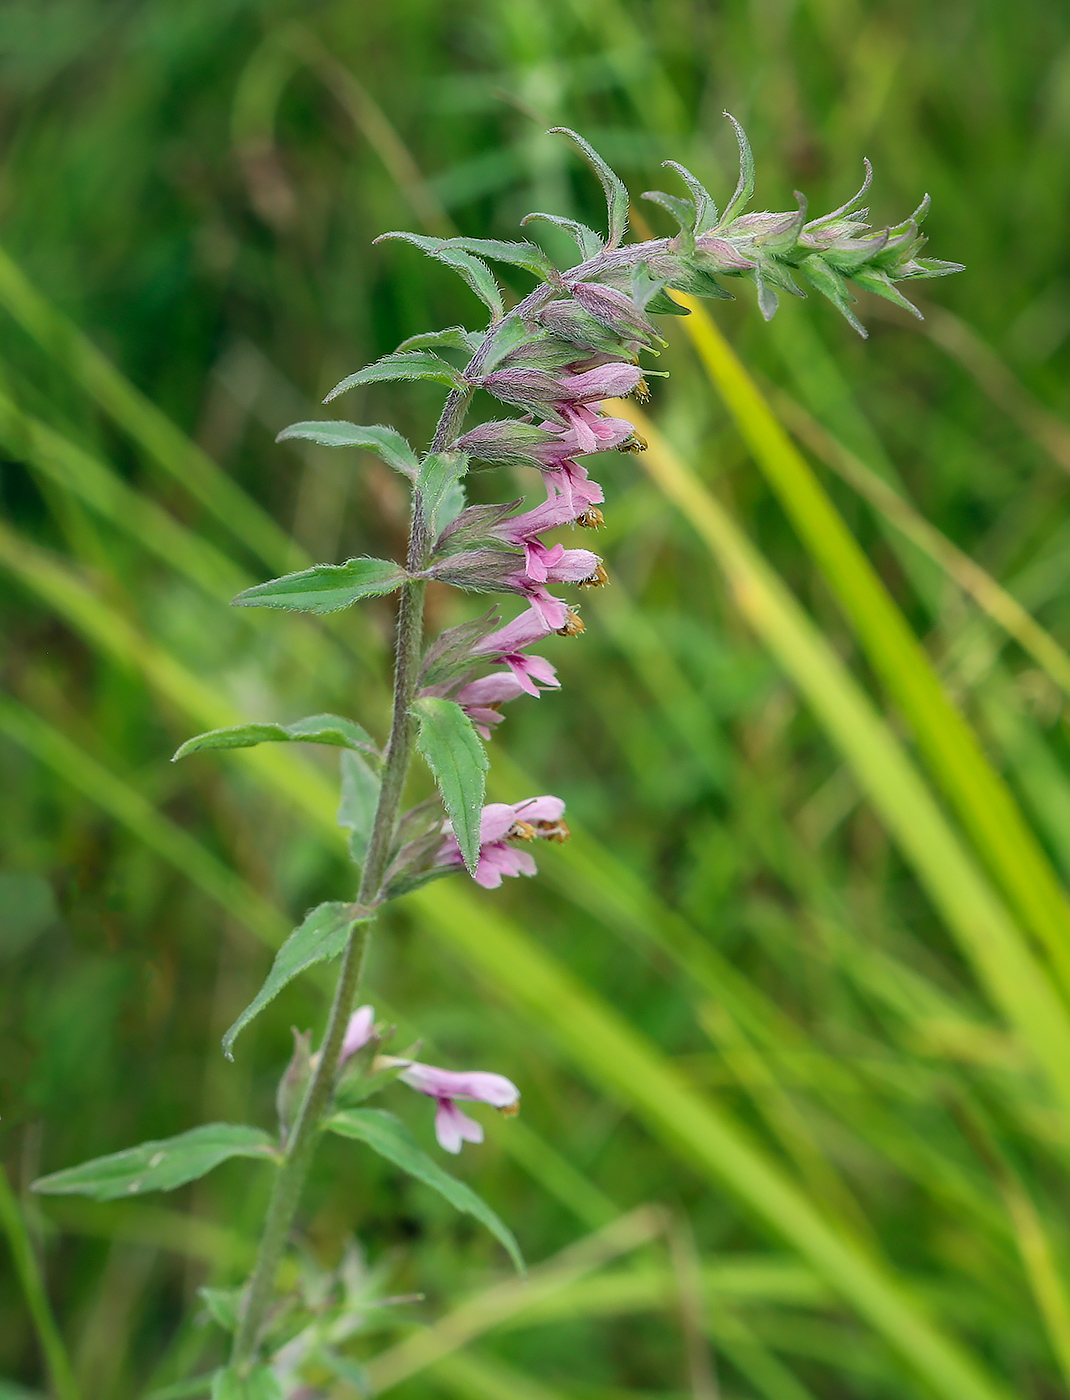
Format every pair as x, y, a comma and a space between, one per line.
576, 340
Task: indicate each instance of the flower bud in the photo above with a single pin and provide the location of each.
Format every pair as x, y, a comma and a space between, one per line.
616, 311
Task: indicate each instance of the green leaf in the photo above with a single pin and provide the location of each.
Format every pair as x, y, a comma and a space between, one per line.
326, 587
388, 1136
158, 1166
313, 729
356, 810
322, 934
439, 473
448, 741
389, 444
222, 1304
181, 1390
873, 280
616, 194
402, 364
744, 190
526, 255
705, 210
660, 304
682, 210
474, 271
830, 284
260, 1384
589, 243
454, 337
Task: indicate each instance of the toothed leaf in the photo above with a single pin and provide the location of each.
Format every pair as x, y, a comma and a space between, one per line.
589, 243
458, 761
326, 587
682, 210
313, 729
881, 285
439, 485
388, 443
321, 935
158, 1166
402, 364
474, 271
705, 210
616, 194
744, 190
389, 1137
453, 337
830, 284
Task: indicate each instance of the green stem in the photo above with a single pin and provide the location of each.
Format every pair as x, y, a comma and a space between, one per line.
301, 1142
33, 1290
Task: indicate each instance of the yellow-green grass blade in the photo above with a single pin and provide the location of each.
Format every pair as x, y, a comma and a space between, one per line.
127, 806
1013, 979
159, 438
73, 469
504, 1301
989, 595
598, 881
632, 1070
32, 1284
119, 639
115, 636
982, 800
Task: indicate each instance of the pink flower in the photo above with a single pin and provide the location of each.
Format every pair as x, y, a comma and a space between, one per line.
501, 823
609, 381
452, 1126
507, 645
445, 1086
587, 431
358, 1032
480, 698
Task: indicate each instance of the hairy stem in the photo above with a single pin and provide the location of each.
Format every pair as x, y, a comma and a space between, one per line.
301, 1143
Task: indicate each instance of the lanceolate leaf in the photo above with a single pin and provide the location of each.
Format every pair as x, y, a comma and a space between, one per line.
526, 255
326, 587
588, 242
313, 729
321, 935
745, 188
158, 1166
616, 194
389, 444
705, 210
260, 1383
388, 1136
455, 337
402, 364
474, 271
451, 746
439, 473
356, 809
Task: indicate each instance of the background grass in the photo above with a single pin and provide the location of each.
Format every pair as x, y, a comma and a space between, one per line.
789, 1012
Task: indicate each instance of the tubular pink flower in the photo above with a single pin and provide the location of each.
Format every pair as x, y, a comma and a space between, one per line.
609, 381
501, 822
507, 644
358, 1032
570, 481
480, 698
452, 1125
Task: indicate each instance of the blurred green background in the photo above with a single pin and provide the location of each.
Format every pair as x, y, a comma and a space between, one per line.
810, 1010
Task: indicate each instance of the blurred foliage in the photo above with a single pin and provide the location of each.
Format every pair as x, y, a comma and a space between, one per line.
749, 933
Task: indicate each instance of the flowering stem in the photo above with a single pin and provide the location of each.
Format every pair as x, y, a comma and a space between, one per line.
301, 1142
